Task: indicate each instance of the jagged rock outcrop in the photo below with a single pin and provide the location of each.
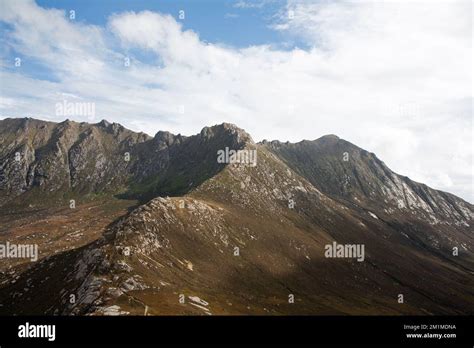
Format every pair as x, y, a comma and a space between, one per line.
237, 237
54, 159
343, 170
71, 158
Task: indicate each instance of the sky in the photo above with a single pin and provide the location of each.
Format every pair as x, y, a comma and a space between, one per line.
393, 77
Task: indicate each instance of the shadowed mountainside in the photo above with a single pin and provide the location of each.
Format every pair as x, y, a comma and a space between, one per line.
60, 161
233, 238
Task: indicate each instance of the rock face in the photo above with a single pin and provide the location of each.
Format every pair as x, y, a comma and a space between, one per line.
77, 159
52, 159
345, 171
236, 238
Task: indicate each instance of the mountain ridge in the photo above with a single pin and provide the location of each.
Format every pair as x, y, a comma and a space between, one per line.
231, 238
166, 136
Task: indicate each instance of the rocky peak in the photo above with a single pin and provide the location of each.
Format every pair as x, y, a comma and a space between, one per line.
345, 171
240, 136
166, 138
104, 123
328, 138
112, 128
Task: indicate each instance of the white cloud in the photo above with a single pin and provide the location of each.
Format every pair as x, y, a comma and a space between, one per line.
392, 77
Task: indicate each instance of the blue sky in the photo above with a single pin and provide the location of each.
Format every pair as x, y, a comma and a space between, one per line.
218, 21
393, 77
235, 23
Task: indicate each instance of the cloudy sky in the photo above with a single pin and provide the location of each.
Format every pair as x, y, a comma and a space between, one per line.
393, 77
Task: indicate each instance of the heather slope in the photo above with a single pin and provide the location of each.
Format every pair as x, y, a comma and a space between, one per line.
242, 239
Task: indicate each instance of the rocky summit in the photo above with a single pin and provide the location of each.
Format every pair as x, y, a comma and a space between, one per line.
128, 224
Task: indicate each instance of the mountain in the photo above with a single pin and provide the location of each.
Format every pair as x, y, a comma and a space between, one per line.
79, 159
341, 169
174, 229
